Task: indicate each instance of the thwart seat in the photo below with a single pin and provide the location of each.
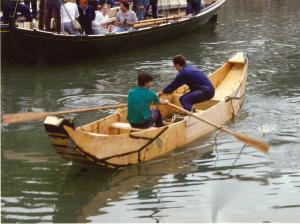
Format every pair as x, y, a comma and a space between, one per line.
127, 126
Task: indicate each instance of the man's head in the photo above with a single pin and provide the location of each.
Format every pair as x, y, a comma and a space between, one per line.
145, 80
83, 3
124, 6
179, 62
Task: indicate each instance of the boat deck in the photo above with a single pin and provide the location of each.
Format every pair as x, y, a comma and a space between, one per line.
230, 83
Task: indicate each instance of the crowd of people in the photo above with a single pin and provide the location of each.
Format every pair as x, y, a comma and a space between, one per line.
89, 16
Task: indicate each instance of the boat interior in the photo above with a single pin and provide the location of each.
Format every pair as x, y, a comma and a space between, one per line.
226, 81
169, 11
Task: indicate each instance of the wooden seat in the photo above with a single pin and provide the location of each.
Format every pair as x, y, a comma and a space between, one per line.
127, 126
229, 84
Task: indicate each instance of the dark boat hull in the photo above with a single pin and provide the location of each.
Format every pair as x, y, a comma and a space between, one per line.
36, 45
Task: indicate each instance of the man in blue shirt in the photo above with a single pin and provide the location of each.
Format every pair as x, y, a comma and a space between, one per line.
201, 89
139, 100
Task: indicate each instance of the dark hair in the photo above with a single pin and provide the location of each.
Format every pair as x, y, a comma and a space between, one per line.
144, 78
125, 3
179, 60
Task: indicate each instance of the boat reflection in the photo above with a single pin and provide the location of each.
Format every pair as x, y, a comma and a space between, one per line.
102, 189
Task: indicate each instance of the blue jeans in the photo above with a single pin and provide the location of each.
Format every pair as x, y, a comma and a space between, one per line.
155, 118
194, 97
68, 27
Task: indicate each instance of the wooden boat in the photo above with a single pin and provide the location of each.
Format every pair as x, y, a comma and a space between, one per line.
111, 142
48, 46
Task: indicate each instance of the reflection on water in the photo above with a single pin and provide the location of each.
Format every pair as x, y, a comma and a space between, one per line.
199, 183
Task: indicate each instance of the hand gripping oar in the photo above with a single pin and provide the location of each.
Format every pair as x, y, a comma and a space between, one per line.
260, 145
34, 116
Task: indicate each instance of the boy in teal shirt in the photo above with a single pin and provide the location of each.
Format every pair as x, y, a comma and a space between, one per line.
139, 100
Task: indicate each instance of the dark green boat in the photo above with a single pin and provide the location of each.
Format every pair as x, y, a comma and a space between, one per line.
49, 46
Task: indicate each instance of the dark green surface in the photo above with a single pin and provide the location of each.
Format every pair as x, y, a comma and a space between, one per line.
38, 186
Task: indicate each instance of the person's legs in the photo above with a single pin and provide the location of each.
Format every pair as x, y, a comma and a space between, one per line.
8, 10
48, 17
194, 97
153, 4
89, 29
156, 118
68, 27
118, 30
197, 6
100, 31
34, 8
188, 8
56, 16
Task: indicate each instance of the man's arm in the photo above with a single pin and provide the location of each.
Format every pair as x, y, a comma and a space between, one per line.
175, 84
156, 100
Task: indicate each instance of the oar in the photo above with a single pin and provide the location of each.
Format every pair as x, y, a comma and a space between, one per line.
34, 116
260, 145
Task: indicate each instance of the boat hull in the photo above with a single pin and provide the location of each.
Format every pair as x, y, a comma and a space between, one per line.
118, 150
38, 45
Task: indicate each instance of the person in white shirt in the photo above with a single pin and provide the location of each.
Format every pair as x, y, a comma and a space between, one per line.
69, 13
125, 18
101, 23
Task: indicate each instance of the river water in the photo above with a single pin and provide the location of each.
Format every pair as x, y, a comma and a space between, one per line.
202, 183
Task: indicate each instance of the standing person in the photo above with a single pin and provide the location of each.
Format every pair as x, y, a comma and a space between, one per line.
8, 8
193, 7
33, 7
141, 9
139, 100
153, 4
201, 89
101, 23
86, 16
125, 18
53, 11
69, 13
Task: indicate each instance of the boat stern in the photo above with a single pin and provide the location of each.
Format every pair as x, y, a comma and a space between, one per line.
60, 140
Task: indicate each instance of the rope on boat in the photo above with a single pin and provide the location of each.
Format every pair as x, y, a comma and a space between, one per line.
235, 97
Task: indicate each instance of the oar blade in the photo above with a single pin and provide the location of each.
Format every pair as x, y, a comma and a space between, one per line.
23, 117
260, 145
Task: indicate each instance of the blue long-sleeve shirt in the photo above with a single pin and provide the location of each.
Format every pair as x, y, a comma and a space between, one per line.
191, 76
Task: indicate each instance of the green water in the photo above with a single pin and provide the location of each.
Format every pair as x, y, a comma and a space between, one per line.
188, 185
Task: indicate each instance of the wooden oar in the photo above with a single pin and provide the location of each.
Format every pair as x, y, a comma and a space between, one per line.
34, 116
260, 145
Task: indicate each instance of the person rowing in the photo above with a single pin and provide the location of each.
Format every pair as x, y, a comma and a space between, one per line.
201, 89
139, 101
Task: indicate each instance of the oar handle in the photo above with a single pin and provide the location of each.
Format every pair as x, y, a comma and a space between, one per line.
260, 145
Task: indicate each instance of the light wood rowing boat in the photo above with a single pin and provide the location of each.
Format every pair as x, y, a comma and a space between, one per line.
111, 142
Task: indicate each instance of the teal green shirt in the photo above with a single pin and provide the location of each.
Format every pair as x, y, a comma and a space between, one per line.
139, 100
